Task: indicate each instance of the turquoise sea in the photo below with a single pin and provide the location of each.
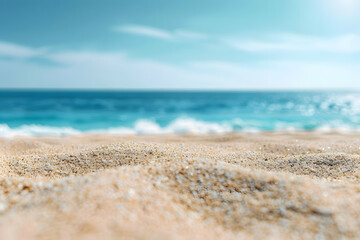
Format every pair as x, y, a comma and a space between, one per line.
154, 112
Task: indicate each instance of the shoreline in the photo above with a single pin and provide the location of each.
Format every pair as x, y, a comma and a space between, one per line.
109, 134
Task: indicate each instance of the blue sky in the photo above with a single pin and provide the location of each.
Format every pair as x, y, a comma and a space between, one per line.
162, 44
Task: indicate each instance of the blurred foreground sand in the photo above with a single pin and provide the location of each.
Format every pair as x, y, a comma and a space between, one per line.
273, 186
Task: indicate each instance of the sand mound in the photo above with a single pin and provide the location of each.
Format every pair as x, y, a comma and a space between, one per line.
173, 187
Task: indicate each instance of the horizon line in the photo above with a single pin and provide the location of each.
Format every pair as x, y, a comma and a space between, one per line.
180, 90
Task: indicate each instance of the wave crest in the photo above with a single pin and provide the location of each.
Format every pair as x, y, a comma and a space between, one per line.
178, 126
30, 130
183, 125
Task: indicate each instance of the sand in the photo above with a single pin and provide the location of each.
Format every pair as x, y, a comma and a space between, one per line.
233, 186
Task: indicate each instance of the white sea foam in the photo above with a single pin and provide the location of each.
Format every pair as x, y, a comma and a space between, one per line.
182, 125
30, 130
142, 127
341, 130
178, 126
189, 125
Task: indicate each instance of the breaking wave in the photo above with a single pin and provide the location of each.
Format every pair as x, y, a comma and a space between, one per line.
31, 130
178, 126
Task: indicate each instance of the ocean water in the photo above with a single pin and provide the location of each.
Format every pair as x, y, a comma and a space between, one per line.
73, 112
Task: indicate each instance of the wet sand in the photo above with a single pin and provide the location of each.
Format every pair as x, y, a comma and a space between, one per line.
249, 186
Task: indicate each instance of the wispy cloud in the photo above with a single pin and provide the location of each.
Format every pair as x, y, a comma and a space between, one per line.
283, 42
159, 33
18, 51
145, 31
290, 42
115, 70
94, 69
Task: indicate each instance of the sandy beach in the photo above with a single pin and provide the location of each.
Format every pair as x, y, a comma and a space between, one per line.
232, 186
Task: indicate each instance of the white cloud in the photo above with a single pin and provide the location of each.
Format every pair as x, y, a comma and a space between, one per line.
159, 33
284, 42
289, 42
92, 69
18, 51
145, 31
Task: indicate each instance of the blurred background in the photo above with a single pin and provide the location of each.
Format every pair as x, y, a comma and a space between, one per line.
178, 66
204, 44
